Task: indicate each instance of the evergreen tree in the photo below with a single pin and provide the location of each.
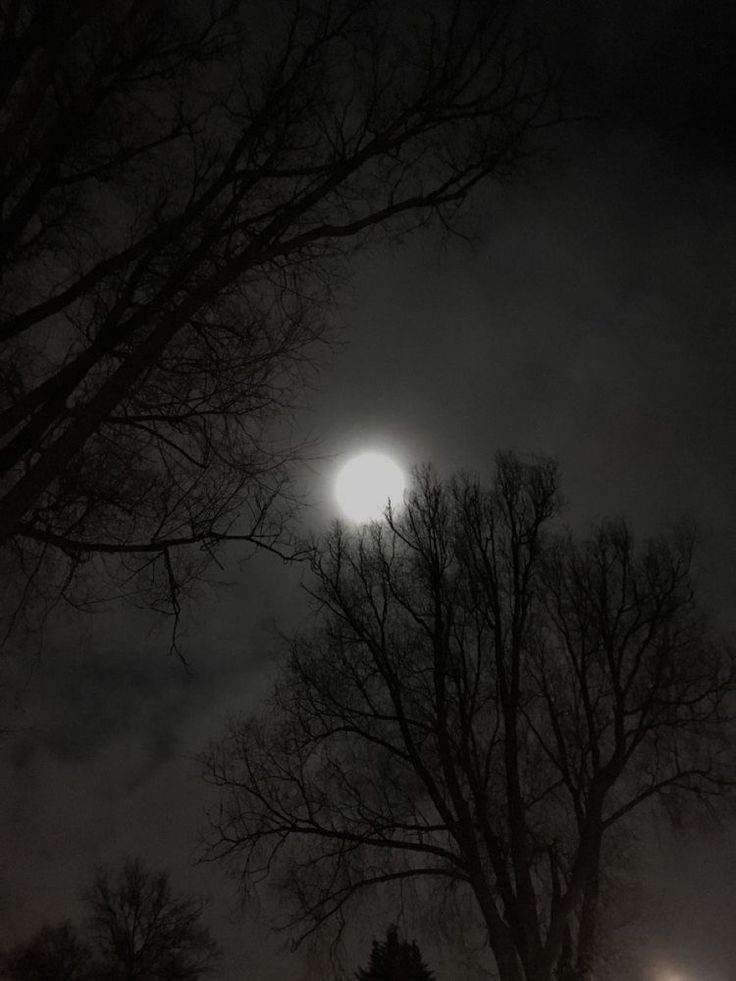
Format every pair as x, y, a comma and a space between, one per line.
395, 960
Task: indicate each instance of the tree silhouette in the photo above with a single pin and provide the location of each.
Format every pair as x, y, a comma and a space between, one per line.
141, 930
55, 953
482, 703
395, 960
137, 930
180, 187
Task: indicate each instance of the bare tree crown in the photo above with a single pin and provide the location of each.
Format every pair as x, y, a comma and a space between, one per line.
483, 700
179, 189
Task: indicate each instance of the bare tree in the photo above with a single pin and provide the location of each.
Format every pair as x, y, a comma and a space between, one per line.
481, 704
143, 932
180, 187
55, 952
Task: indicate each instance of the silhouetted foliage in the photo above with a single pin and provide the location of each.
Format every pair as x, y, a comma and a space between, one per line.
484, 701
180, 186
137, 930
55, 953
142, 930
394, 960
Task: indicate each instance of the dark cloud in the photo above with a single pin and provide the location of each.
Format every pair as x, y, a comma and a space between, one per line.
664, 67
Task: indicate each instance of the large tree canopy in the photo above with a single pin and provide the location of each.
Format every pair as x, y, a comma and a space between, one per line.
180, 184
483, 700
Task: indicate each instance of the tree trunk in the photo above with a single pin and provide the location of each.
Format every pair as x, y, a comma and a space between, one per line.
588, 924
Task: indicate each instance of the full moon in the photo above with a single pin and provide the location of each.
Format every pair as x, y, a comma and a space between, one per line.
366, 484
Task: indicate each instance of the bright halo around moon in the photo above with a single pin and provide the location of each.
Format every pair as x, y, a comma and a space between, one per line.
366, 484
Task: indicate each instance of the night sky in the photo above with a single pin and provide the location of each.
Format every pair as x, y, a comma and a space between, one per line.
592, 318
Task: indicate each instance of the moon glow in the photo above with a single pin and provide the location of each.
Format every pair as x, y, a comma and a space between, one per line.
366, 484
